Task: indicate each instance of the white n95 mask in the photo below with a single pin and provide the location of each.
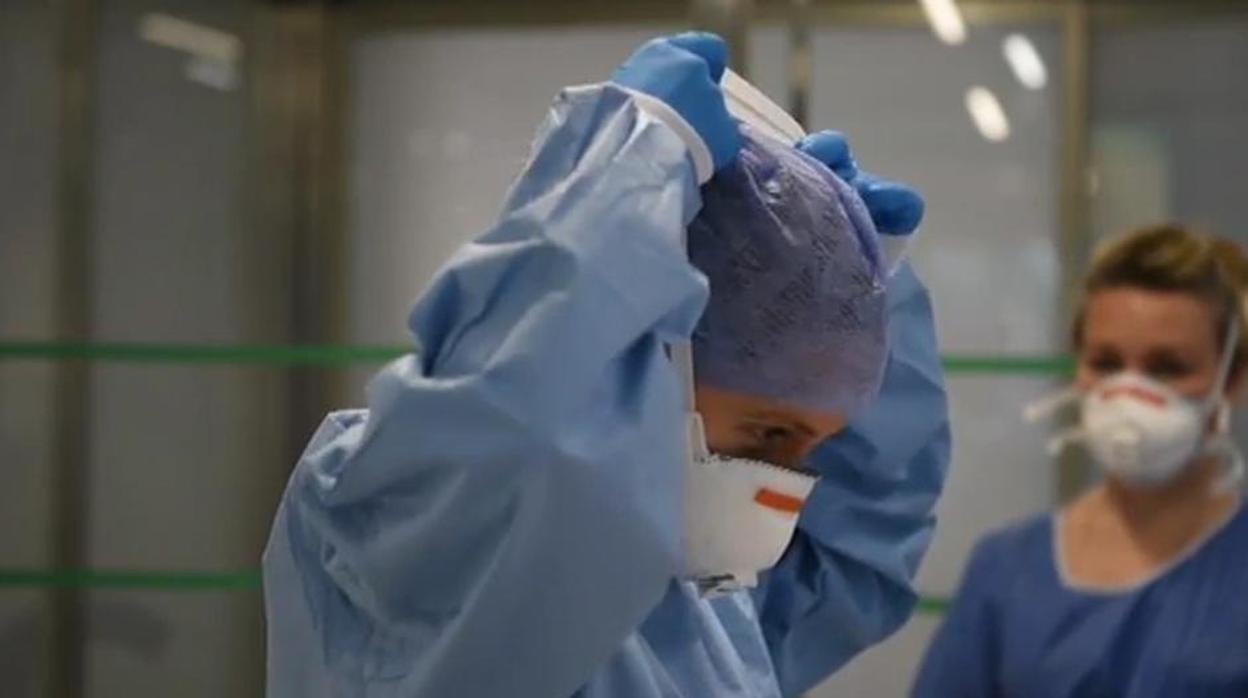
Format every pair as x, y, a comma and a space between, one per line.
1144, 432
740, 514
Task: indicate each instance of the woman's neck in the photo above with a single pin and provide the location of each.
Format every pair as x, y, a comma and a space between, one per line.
1167, 519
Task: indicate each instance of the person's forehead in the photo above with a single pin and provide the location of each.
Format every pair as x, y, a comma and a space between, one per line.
1134, 317
765, 409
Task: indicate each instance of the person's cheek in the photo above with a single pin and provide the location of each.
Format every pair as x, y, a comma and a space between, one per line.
725, 440
1195, 385
1192, 389
807, 447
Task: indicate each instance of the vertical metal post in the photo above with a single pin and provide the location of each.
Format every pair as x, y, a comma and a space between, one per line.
801, 61
294, 254
297, 251
1075, 240
77, 22
310, 262
319, 252
731, 20
265, 271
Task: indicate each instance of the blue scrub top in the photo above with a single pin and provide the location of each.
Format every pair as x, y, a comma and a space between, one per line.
1017, 629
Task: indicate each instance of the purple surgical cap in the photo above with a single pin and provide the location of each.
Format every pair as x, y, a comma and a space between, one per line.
797, 307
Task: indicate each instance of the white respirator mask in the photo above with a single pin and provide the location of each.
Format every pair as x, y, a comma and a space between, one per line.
740, 514
1145, 433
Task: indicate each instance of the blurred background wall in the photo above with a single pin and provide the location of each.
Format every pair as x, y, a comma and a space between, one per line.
189, 188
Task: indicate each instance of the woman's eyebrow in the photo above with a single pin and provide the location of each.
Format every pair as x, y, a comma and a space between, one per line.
1102, 347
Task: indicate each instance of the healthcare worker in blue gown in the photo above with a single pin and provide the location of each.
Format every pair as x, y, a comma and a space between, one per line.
508, 516
1138, 587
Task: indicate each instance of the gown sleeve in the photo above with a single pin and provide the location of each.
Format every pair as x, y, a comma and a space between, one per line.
507, 509
846, 581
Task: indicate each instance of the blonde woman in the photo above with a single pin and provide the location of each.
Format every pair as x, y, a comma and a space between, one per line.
1139, 587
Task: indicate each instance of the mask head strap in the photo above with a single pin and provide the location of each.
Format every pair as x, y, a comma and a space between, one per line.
682, 359
1226, 361
748, 103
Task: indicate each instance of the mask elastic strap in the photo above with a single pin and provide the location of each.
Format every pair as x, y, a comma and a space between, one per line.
1063, 440
682, 359
1225, 362
1046, 406
747, 103
1232, 477
681, 354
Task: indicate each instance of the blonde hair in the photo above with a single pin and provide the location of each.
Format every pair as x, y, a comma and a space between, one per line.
1171, 257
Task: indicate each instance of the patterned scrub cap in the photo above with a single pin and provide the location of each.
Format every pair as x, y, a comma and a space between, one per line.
797, 311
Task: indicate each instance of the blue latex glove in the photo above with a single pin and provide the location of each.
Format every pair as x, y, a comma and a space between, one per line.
896, 209
683, 72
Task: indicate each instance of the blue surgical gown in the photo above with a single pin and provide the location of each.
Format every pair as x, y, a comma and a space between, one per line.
505, 517
1016, 629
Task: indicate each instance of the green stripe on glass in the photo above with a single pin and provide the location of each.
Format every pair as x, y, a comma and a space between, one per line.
933, 605
129, 579
1011, 365
142, 352
332, 355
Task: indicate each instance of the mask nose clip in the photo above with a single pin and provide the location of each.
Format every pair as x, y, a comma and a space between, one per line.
696, 436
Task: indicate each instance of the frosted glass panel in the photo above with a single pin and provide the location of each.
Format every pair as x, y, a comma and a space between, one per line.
1179, 91
181, 474
441, 124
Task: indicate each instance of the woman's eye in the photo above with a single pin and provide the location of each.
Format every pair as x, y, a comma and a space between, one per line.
777, 434
772, 436
1105, 364
1168, 369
